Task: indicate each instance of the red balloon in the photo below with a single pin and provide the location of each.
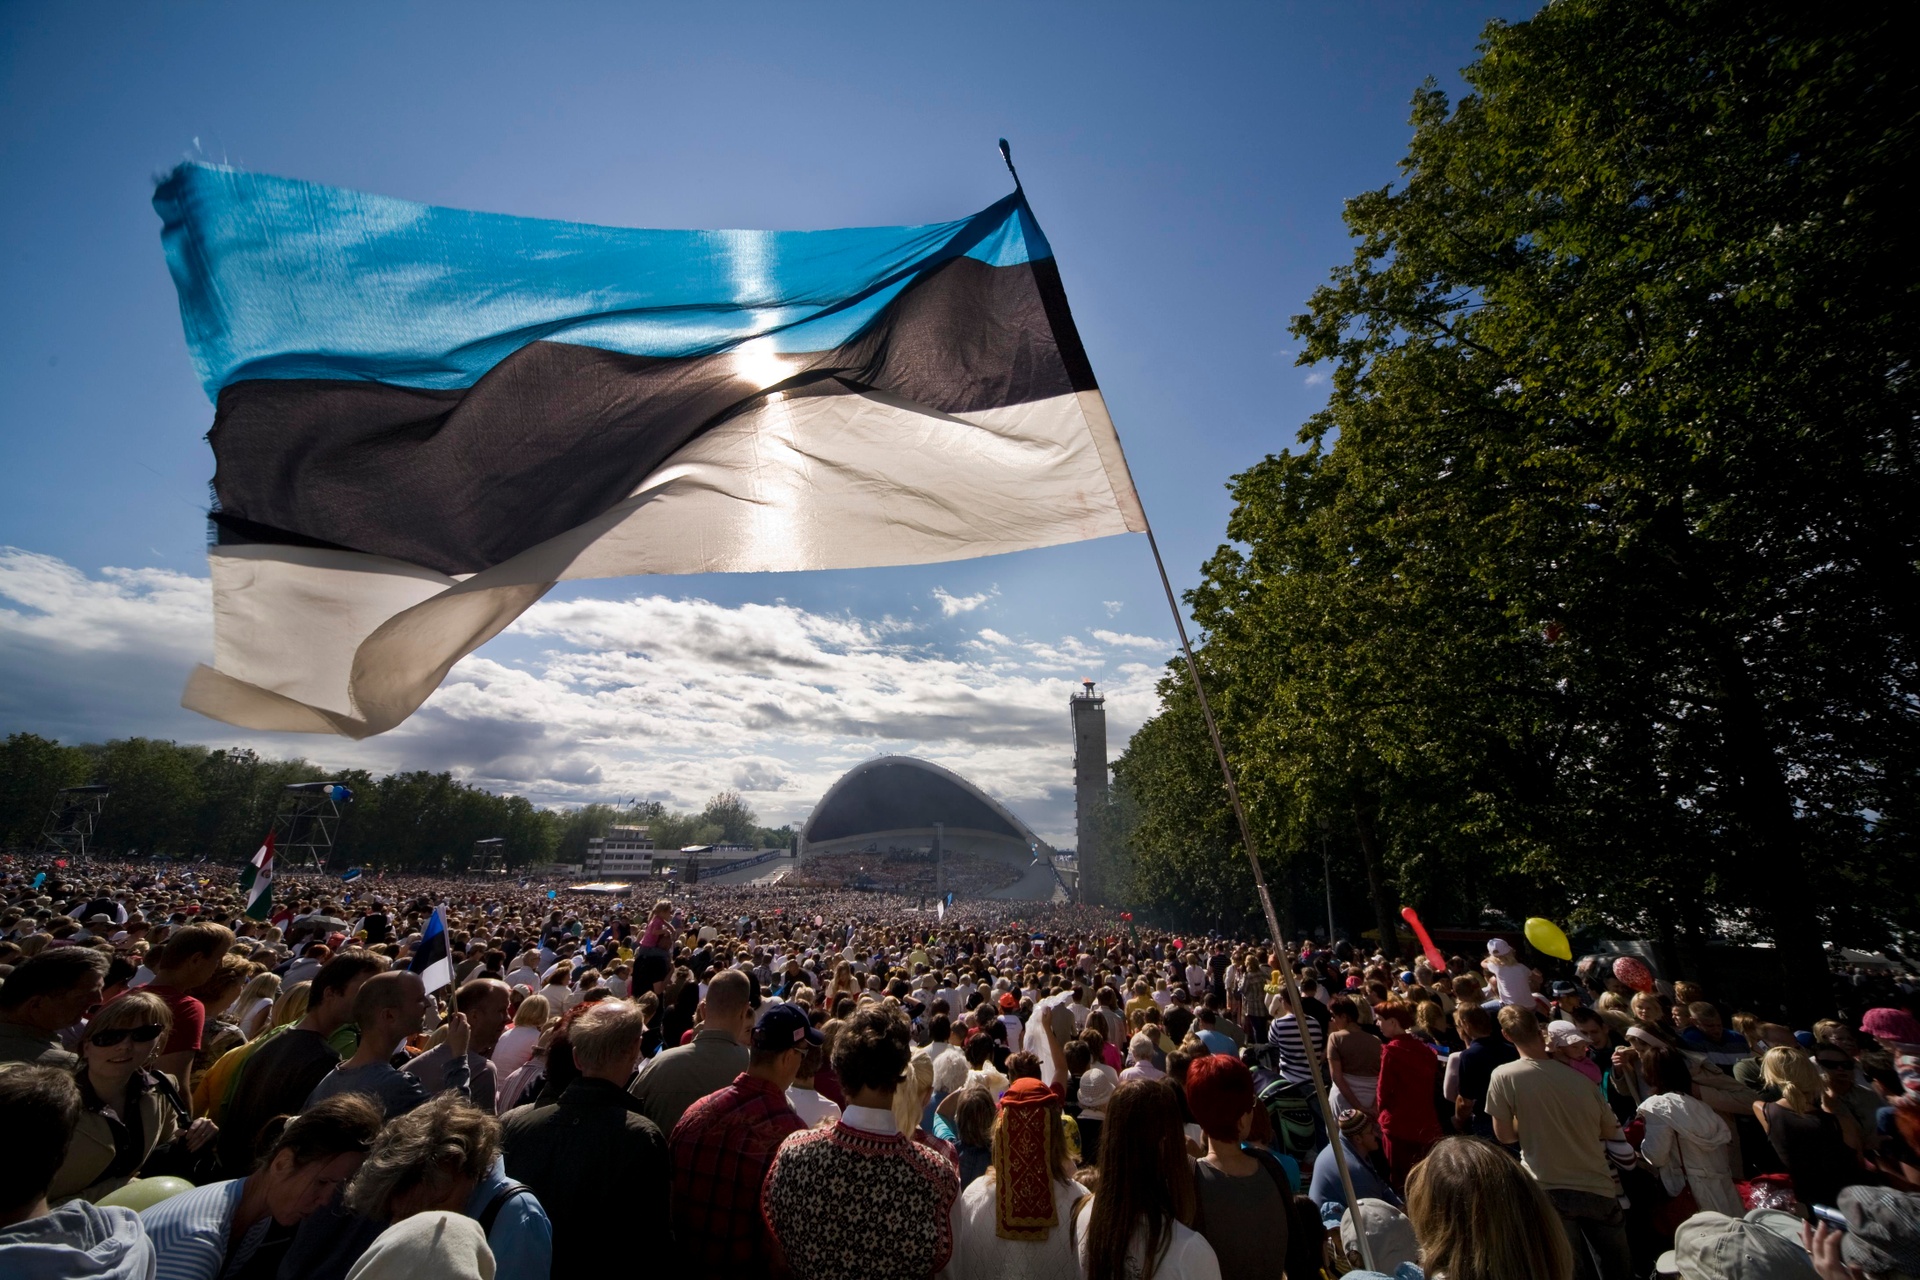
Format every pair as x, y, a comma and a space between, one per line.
1434, 958
1633, 973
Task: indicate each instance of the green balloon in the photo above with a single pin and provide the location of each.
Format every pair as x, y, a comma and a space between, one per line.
144, 1193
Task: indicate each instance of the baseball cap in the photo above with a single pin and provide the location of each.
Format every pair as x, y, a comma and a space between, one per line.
1499, 947
1388, 1231
1564, 988
784, 1026
1713, 1246
1883, 1230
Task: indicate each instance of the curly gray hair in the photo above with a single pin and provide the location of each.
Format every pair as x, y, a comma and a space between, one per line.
437, 1144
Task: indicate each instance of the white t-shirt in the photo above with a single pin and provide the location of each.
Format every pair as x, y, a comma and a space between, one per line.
1188, 1256
980, 1254
811, 1107
1515, 984
987, 1078
515, 1047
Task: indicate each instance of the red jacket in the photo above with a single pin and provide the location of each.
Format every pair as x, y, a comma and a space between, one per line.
1409, 1074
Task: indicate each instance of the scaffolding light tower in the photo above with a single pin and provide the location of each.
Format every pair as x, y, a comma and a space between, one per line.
71, 819
308, 820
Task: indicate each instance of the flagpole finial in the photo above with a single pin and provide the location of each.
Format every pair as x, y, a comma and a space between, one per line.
1006, 154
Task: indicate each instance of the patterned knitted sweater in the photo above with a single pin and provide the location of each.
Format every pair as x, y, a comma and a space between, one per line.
846, 1204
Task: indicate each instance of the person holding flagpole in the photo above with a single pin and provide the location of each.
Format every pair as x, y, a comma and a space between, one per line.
476, 1013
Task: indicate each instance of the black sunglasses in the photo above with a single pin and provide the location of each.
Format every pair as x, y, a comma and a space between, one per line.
141, 1035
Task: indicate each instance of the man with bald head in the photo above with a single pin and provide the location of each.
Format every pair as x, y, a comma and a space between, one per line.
388, 1008
681, 1076
483, 1004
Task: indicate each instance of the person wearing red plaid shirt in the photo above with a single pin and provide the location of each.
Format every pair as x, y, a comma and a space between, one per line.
725, 1143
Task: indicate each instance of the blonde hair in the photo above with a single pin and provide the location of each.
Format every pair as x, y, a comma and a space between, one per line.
1790, 1070
134, 1009
1479, 1216
261, 984
916, 1086
533, 1012
291, 1005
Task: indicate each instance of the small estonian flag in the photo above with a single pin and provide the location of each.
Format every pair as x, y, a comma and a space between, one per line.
353, 873
256, 882
430, 957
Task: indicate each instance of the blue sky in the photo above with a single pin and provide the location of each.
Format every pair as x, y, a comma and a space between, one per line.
1188, 164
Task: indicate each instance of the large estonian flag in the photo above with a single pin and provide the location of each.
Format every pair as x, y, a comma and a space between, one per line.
426, 417
430, 959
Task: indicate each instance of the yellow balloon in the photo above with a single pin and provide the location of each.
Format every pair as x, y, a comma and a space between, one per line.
144, 1193
1546, 938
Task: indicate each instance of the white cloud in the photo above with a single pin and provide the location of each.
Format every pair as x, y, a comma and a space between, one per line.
1114, 607
1315, 378
1071, 651
952, 605
1121, 640
598, 699
153, 608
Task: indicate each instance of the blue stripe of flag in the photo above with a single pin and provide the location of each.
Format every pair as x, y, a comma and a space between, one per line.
286, 279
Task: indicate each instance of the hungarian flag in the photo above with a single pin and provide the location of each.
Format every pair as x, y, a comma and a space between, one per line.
426, 417
430, 958
256, 882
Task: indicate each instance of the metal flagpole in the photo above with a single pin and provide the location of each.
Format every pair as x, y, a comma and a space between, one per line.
1314, 1068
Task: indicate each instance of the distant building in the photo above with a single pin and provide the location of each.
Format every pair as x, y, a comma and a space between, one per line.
623, 851
895, 806
1088, 712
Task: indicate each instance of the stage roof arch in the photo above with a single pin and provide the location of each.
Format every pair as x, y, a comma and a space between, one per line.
891, 794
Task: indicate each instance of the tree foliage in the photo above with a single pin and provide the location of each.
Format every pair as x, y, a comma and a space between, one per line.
188, 801
1591, 593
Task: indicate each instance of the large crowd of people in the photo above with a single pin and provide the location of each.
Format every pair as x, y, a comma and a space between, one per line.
777, 1081
911, 873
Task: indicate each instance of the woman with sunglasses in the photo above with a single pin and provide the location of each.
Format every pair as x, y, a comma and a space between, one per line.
129, 1113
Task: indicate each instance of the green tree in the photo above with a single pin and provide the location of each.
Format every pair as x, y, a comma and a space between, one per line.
729, 812
32, 769
155, 797
1592, 594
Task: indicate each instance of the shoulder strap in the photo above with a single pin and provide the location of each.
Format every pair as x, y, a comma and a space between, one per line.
163, 1085
491, 1214
1276, 1171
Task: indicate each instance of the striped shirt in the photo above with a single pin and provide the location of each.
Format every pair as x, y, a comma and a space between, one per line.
1284, 1036
189, 1232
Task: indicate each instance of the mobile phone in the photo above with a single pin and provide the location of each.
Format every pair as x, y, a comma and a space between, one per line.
1831, 1216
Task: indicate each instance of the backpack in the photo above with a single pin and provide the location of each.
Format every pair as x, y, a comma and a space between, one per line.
491, 1214
1290, 1107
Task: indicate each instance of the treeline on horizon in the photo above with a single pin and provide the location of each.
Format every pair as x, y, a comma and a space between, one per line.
190, 801
1590, 593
